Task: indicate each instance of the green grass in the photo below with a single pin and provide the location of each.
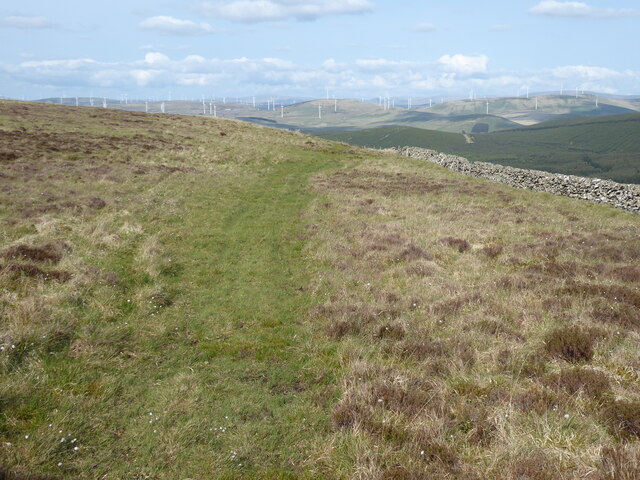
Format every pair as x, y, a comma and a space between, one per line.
196, 298
602, 147
180, 341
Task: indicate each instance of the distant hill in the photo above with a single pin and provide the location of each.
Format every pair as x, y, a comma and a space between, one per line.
462, 116
601, 147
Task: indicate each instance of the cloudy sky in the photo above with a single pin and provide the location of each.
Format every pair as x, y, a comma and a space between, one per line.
355, 48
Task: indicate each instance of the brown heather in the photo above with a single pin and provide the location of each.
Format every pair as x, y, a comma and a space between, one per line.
510, 359
573, 344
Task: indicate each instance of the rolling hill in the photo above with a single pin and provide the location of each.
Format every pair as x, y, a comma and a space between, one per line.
602, 147
318, 115
186, 297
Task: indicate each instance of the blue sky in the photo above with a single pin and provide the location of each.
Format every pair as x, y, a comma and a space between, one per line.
356, 48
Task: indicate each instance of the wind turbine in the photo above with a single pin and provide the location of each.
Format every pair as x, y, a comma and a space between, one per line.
281, 111
487, 107
335, 105
104, 102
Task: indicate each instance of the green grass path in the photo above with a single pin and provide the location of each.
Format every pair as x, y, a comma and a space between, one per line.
248, 365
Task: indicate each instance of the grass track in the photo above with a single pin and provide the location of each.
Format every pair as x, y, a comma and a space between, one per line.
250, 353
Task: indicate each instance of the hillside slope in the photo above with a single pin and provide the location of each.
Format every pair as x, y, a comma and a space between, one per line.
603, 147
188, 297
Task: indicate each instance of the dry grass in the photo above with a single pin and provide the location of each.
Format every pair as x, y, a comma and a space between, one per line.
472, 371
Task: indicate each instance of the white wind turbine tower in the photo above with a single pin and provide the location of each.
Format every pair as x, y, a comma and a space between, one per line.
596, 101
536, 103
254, 102
281, 111
429, 103
104, 102
215, 111
77, 102
320, 112
527, 92
409, 104
146, 107
162, 107
487, 107
335, 105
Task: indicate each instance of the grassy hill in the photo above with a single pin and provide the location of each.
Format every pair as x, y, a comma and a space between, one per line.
602, 147
186, 297
523, 110
344, 114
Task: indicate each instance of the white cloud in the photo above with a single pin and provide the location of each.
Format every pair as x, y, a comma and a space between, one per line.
425, 28
553, 8
175, 26
26, 22
155, 73
254, 11
464, 64
155, 58
382, 65
583, 71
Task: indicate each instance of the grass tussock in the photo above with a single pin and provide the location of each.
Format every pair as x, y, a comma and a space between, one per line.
573, 344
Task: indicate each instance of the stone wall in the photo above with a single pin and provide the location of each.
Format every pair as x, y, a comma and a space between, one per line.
625, 196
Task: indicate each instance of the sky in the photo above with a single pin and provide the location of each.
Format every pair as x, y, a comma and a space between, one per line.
306, 48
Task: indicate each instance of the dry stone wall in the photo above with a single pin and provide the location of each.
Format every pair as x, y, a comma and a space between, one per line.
620, 195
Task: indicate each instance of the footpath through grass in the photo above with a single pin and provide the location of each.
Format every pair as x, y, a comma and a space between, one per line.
162, 331
262, 374
191, 298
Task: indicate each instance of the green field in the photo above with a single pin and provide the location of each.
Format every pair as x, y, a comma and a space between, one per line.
199, 298
603, 147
